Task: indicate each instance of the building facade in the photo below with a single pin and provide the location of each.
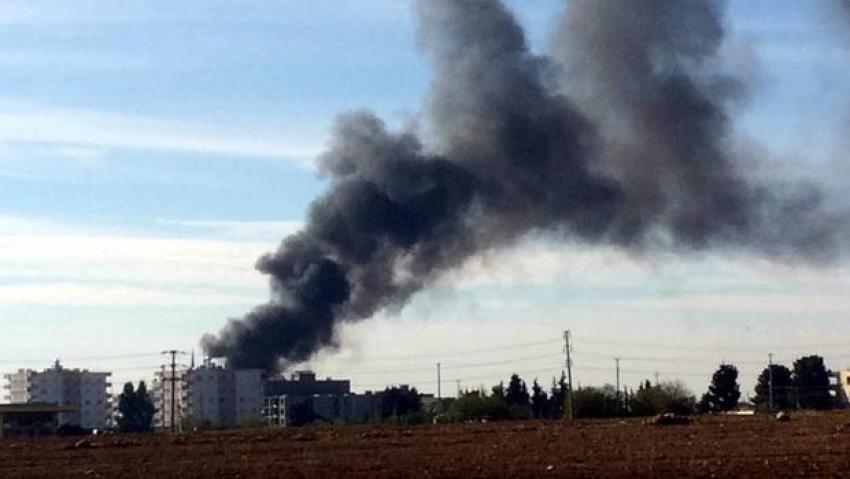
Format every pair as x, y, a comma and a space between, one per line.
161, 395
303, 398
843, 387
209, 395
87, 392
288, 410
304, 383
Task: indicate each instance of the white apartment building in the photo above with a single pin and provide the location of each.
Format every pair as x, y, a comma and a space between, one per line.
87, 391
209, 394
162, 398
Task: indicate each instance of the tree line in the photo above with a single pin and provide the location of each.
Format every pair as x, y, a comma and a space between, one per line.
806, 385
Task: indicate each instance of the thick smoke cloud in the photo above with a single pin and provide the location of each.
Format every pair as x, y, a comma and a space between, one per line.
647, 73
641, 159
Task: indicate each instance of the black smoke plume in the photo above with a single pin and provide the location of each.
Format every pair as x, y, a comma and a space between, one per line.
639, 158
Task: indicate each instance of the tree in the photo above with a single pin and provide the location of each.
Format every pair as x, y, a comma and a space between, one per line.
558, 397
665, 397
593, 402
499, 392
783, 388
517, 394
723, 392
400, 403
478, 406
539, 401
135, 409
811, 381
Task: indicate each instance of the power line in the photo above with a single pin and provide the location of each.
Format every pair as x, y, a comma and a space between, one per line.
449, 366
697, 347
83, 358
437, 355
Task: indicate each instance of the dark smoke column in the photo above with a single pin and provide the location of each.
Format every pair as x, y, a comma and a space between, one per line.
512, 158
509, 154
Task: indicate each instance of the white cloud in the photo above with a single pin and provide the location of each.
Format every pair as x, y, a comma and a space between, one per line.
46, 263
109, 295
737, 303
90, 129
263, 230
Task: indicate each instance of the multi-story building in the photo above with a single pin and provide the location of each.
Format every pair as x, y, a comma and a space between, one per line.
85, 391
210, 394
163, 399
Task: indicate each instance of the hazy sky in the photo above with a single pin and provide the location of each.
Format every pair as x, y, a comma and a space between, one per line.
151, 150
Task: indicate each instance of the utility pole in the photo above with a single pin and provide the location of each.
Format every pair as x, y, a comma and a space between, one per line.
617, 363
162, 398
770, 381
569, 366
656, 378
173, 379
439, 383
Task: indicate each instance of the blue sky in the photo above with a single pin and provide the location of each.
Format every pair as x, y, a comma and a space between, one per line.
150, 151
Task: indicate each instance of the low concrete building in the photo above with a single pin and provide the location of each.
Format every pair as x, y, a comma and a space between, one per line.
291, 400
31, 419
304, 383
287, 409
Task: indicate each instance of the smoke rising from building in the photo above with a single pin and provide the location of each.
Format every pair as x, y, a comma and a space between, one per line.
620, 137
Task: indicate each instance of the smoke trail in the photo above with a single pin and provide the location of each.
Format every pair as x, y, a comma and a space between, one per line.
645, 158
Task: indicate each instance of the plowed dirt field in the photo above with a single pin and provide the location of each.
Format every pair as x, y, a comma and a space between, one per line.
810, 445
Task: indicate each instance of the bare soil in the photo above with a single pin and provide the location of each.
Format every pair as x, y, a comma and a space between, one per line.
810, 445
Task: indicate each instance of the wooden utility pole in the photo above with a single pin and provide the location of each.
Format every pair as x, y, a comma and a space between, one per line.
770, 381
617, 362
568, 414
439, 383
162, 399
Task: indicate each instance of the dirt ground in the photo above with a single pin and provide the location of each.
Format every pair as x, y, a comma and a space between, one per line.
810, 445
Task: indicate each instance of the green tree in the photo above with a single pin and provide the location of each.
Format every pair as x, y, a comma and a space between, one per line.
400, 403
593, 402
723, 392
517, 394
665, 397
499, 392
783, 388
811, 380
539, 401
478, 406
558, 397
135, 409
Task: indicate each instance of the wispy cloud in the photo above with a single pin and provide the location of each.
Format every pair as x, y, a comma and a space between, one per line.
47, 263
810, 303
260, 230
80, 128
75, 294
